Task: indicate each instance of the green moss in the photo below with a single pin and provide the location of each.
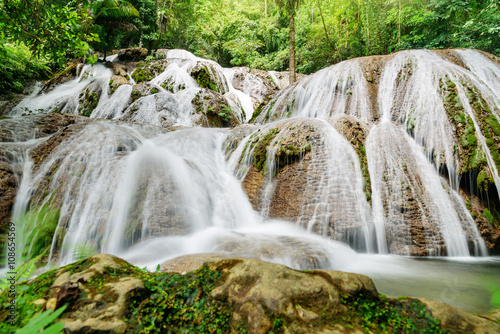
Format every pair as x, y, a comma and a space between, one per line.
488, 215
226, 113
260, 150
468, 138
493, 124
393, 316
477, 159
135, 95
259, 109
202, 77
88, 102
482, 181
147, 71
180, 304
154, 90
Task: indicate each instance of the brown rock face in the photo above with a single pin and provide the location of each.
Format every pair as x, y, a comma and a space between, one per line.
132, 54
8, 191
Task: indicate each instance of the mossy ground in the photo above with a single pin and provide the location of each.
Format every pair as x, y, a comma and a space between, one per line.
385, 315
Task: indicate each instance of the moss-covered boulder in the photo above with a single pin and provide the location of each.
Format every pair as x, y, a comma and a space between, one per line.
208, 75
115, 82
148, 70
89, 99
212, 110
105, 294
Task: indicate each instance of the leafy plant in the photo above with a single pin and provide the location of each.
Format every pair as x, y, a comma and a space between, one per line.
40, 322
39, 225
225, 113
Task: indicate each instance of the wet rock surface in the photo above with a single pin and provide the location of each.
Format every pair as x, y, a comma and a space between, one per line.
107, 295
132, 54
15, 139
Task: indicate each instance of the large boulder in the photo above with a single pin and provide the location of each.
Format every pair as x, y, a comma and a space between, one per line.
105, 294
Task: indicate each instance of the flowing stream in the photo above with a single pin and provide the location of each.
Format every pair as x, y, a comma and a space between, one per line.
148, 195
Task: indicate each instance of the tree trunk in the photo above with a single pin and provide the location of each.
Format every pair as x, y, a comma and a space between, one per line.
399, 23
324, 28
292, 74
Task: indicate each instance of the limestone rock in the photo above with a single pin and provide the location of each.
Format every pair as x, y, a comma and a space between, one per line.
132, 54
103, 310
107, 295
460, 322
115, 82
212, 110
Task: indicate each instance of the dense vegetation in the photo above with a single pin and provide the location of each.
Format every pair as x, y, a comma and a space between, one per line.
39, 36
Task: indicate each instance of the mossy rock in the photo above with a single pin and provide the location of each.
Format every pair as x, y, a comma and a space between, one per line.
115, 82
226, 295
203, 78
212, 110
89, 99
148, 70
132, 54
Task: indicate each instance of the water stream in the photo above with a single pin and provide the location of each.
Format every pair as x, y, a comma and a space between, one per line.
148, 195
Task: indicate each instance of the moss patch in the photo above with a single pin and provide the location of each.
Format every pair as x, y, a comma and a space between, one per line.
88, 101
180, 304
148, 70
402, 315
203, 78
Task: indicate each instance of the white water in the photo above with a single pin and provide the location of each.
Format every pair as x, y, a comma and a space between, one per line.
336, 90
141, 193
65, 96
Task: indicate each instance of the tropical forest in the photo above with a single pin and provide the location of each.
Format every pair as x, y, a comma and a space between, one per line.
237, 166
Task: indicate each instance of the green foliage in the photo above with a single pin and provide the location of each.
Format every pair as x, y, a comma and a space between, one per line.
28, 317
18, 66
23, 271
225, 113
181, 303
400, 316
39, 225
52, 29
42, 320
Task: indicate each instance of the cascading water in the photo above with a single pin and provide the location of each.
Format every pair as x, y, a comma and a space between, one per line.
328, 161
336, 90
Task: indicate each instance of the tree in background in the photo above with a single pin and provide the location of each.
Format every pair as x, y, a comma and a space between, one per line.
291, 7
112, 15
49, 28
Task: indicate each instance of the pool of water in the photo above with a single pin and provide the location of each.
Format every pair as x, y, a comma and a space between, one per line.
466, 283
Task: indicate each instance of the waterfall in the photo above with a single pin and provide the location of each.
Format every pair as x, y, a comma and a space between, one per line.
351, 157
